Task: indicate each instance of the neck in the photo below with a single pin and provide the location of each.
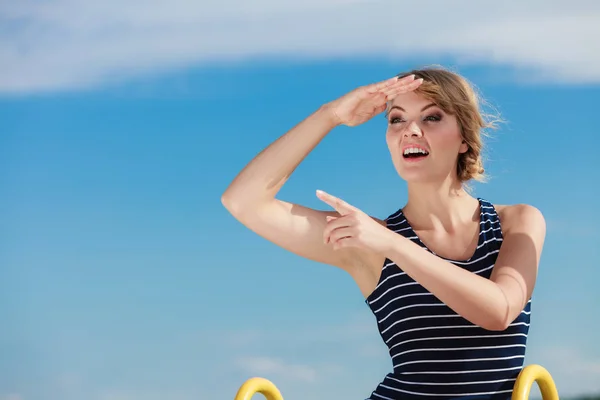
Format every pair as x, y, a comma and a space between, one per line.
441, 205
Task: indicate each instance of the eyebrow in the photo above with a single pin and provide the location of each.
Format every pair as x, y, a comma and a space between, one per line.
402, 109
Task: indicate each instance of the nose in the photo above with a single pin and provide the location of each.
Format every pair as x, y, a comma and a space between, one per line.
413, 130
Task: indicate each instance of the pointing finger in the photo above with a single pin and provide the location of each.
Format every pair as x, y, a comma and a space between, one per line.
338, 204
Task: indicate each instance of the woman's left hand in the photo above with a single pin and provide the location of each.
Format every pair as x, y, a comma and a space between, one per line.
354, 228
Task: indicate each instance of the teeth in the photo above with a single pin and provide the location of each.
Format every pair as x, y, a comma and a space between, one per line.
412, 150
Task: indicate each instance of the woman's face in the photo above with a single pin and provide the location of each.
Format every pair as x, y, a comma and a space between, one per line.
423, 140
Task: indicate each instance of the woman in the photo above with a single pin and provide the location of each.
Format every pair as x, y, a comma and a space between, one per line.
448, 276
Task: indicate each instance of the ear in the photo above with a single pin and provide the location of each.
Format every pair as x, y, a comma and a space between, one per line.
464, 147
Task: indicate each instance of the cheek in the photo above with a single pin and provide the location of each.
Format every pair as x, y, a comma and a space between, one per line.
393, 139
447, 137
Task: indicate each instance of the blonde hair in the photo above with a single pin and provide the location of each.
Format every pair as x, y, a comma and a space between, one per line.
456, 96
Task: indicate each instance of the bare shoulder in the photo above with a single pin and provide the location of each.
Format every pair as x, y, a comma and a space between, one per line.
520, 217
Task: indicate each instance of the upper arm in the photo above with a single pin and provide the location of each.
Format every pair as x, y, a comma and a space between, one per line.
517, 264
296, 228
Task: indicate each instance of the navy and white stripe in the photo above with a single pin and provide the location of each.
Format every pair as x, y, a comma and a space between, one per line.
436, 353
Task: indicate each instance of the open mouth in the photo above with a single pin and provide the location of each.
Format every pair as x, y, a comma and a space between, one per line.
414, 153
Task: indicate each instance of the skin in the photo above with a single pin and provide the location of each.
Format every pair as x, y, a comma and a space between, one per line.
440, 211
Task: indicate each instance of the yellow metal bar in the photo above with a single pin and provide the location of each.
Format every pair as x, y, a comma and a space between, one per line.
258, 385
529, 375
534, 373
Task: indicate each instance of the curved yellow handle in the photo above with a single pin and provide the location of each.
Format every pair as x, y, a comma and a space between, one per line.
258, 385
534, 373
528, 376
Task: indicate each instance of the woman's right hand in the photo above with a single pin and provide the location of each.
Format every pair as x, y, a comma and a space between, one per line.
363, 103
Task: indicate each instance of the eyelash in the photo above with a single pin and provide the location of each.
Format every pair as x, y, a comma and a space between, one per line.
437, 118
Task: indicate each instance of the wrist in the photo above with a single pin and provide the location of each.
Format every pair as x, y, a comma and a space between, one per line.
392, 243
327, 112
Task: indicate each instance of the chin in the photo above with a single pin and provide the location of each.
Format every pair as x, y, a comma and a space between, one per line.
414, 176
422, 172
417, 178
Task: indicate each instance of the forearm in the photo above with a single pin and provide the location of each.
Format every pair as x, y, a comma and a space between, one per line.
477, 299
264, 176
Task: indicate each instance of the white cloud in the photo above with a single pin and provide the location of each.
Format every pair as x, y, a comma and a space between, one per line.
143, 395
68, 44
11, 396
268, 366
574, 372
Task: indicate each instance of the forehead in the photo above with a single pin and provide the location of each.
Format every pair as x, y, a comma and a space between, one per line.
409, 101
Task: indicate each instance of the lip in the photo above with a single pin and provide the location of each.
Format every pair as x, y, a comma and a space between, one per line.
413, 160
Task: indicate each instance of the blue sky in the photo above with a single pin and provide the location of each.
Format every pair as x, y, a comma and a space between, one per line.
124, 278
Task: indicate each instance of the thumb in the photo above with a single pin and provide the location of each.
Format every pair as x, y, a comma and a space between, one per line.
338, 204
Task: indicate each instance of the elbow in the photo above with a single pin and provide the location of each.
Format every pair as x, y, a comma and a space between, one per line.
238, 206
497, 321
226, 200
497, 325
501, 314
230, 203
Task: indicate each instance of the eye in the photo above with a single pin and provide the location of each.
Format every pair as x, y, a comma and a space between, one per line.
395, 120
433, 117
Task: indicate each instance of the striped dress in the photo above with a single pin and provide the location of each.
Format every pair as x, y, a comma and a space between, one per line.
436, 353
